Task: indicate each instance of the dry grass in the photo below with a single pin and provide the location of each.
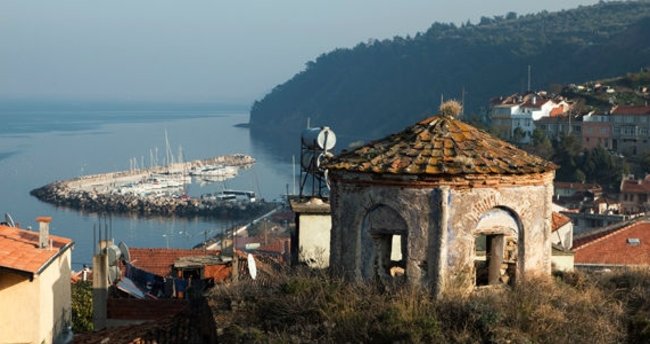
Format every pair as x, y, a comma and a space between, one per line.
305, 306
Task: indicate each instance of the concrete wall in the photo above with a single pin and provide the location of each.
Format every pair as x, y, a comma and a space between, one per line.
441, 229
19, 318
562, 262
36, 311
314, 239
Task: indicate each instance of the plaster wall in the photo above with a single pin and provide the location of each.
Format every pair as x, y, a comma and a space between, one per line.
314, 239
441, 223
20, 321
529, 205
562, 262
36, 311
350, 224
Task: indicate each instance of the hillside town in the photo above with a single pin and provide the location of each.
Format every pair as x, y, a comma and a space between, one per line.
388, 216
376, 188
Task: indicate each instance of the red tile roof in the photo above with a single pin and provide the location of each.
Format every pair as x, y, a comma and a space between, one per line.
19, 250
559, 221
160, 261
634, 186
631, 110
556, 112
440, 146
612, 247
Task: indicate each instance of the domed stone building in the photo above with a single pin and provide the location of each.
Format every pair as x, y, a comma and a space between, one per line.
441, 204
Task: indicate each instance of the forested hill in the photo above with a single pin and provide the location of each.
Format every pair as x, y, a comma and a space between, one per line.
382, 86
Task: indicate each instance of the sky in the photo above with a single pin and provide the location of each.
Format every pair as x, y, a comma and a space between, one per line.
201, 51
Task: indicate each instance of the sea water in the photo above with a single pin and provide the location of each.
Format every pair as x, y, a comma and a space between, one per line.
41, 146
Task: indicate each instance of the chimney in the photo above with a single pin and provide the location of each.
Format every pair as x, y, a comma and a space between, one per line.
44, 231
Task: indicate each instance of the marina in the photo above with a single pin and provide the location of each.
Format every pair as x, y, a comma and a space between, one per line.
158, 191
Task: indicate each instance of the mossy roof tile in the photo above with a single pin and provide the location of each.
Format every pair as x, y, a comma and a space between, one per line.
440, 145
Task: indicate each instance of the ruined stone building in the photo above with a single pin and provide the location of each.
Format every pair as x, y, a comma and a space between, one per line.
443, 205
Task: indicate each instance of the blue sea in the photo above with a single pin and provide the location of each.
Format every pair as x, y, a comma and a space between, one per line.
41, 145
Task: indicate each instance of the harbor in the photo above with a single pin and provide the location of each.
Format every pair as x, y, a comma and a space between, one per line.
159, 190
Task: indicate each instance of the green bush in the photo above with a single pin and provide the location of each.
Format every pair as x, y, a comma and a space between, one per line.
82, 307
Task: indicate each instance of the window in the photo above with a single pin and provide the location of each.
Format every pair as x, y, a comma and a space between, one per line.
633, 241
489, 258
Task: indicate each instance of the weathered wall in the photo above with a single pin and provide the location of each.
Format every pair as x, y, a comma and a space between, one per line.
530, 205
441, 224
350, 242
314, 239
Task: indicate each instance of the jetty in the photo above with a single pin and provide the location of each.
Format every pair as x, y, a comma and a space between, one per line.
105, 192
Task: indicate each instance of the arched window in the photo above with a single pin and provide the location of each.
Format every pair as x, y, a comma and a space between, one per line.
496, 247
384, 244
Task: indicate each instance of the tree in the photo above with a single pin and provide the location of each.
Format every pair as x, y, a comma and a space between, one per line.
541, 145
567, 155
82, 307
518, 135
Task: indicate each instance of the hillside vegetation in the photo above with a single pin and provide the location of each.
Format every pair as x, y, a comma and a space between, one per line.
309, 307
378, 87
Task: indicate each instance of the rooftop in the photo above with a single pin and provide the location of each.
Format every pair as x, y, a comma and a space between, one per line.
577, 186
559, 221
160, 261
440, 146
19, 250
627, 245
636, 186
631, 110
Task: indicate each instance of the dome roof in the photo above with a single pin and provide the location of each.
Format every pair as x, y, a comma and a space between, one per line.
439, 146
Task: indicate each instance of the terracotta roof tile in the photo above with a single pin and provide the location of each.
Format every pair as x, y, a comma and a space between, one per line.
160, 261
19, 249
559, 221
440, 145
631, 110
634, 186
613, 248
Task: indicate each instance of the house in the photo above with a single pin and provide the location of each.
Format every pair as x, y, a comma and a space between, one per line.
630, 129
34, 284
634, 195
440, 205
514, 117
570, 189
596, 131
557, 126
626, 246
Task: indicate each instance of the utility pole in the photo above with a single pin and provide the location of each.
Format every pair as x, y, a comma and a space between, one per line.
529, 78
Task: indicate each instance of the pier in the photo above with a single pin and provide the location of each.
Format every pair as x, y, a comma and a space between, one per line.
101, 193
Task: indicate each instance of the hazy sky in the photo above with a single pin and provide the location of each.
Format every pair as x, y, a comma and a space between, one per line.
195, 51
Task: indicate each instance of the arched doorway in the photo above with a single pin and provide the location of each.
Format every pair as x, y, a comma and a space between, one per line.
496, 248
384, 240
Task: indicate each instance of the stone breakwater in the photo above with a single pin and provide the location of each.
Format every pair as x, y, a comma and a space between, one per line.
96, 193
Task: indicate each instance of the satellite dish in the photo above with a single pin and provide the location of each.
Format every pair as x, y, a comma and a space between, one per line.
113, 274
125, 251
9, 220
114, 254
252, 268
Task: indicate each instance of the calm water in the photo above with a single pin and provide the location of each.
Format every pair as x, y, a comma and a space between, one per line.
38, 147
